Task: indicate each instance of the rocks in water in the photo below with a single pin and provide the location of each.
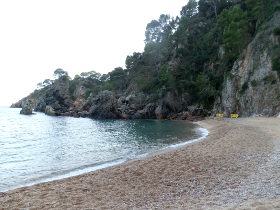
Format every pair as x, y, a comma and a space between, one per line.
56, 100
17, 105
41, 105
27, 108
50, 111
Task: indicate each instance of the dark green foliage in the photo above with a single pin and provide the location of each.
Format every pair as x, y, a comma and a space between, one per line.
117, 79
133, 61
269, 79
254, 83
72, 87
276, 65
277, 31
190, 9
166, 78
259, 11
192, 54
59, 73
244, 87
234, 24
87, 93
205, 92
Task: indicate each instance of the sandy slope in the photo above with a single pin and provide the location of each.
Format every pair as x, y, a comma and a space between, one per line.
237, 165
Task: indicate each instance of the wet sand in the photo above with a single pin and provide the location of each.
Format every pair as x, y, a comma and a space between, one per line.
236, 166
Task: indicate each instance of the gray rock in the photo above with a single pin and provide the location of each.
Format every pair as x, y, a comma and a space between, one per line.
41, 105
104, 106
253, 87
172, 102
50, 111
136, 101
27, 108
147, 112
196, 110
121, 101
161, 111
83, 114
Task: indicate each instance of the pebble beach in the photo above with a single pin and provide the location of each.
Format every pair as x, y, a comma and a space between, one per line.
235, 167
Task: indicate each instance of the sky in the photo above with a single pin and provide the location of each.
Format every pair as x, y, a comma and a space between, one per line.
39, 36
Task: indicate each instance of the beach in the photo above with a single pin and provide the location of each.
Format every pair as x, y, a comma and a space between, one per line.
236, 166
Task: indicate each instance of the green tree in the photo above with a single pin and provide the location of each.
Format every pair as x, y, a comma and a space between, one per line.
204, 93
118, 78
166, 78
59, 73
234, 24
157, 30
91, 75
132, 61
190, 9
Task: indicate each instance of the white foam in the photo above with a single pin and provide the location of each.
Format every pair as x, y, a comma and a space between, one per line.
69, 174
204, 133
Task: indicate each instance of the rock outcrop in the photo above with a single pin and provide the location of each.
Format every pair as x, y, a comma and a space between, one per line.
179, 79
26, 108
49, 111
253, 88
104, 106
56, 96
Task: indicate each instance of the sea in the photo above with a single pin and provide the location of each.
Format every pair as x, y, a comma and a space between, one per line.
40, 148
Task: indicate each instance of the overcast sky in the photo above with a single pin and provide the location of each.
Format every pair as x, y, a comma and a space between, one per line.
39, 36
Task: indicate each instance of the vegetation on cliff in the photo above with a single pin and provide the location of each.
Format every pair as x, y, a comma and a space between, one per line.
188, 57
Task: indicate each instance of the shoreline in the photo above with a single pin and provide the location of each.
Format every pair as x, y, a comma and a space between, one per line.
113, 163
225, 170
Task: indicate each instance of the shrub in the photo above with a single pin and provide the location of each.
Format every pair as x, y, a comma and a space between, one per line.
244, 87
269, 79
254, 83
276, 65
87, 93
277, 31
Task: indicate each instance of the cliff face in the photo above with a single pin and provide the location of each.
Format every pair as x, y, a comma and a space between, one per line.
55, 95
183, 73
253, 87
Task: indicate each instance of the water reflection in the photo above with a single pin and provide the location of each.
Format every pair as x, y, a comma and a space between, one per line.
38, 146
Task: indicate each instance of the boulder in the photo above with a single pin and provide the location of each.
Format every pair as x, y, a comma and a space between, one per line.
27, 108
121, 101
172, 102
147, 112
104, 106
196, 110
161, 111
41, 105
83, 114
135, 101
50, 111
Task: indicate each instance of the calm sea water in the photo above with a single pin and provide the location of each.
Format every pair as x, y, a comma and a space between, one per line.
40, 148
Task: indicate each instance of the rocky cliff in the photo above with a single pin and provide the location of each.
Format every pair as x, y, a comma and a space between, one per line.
252, 87
57, 100
206, 62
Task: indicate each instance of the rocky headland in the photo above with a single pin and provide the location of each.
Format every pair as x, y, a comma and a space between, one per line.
56, 100
177, 79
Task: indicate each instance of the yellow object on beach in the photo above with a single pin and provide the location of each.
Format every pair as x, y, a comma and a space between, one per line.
234, 116
219, 115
